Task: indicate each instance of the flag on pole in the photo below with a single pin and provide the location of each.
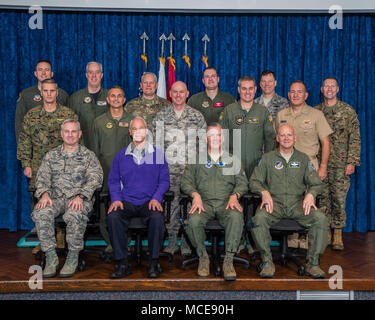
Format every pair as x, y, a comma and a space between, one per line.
204, 66
143, 69
162, 90
187, 71
171, 75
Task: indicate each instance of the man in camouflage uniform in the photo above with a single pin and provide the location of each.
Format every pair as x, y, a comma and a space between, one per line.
31, 97
184, 121
65, 184
288, 183
215, 186
110, 134
269, 98
257, 132
212, 101
41, 130
90, 102
149, 104
344, 157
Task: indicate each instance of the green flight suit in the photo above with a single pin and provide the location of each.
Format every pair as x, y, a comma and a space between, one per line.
211, 109
257, 132
109, 137
87, 109
215, 187
288, 183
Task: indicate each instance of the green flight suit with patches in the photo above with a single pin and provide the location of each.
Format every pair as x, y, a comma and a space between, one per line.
211, 109
87, 109
215, 183
257, 132
109, 137
288, 183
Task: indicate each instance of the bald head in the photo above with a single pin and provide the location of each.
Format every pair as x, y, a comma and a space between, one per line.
179, 93
286, 138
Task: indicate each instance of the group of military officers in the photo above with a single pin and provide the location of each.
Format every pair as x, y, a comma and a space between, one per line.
317, 151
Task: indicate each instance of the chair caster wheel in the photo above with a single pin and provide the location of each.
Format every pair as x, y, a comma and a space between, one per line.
301, 272
259, 267
82, 266
42, 263
253, 257
170, 258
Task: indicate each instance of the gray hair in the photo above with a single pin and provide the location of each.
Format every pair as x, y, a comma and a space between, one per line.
71, 121
98, 63
149, 73
139, 118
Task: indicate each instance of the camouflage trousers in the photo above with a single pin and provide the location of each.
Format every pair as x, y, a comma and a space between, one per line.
231, 220
334, 203
315, 221
76, 222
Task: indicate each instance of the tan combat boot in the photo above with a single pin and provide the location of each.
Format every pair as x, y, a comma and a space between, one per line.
228, 269
293, 240
268, 270
204, 266
304, 242
314, 271
60, 238
52, 263
337, 240
70, 265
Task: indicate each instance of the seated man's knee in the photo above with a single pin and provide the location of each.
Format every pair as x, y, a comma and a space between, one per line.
195, 220
260, 217
321, 219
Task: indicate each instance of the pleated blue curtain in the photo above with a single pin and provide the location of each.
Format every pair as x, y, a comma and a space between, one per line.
294, 46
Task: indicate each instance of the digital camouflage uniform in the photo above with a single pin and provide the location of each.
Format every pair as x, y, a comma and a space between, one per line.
109, 137
87, 109
30, 98
40, 134
210, 109
64, 176
215, 188
190, 119
276, 104
345, 142
147, 109
287, 183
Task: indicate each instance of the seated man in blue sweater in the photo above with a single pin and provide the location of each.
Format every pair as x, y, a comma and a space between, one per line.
137, 181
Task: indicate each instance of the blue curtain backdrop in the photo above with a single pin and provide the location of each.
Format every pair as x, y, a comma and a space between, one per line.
294, 46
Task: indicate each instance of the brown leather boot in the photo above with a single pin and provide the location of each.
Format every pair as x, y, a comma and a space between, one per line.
204, 266
337, 240
36, 249
329, 242
228, 269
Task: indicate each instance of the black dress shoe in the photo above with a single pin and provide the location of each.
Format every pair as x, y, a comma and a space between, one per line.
153, 270
121, 271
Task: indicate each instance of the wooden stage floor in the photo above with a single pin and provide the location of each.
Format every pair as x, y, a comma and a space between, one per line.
357, 262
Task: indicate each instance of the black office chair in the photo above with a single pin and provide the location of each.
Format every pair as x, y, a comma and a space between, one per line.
92, 226
280, 231
138, 230
215, 232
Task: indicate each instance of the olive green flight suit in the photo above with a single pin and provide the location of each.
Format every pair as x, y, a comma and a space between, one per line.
109, 136
288, 183
215, 187
87, 109
256, 132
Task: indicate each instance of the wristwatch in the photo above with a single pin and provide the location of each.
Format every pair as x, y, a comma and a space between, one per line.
236, 194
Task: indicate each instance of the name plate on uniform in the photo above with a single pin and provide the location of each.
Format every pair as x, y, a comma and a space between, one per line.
123, 124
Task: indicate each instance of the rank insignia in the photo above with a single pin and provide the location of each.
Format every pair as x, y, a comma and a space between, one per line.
87, 100
205, 104
37, 98
294, 164
253, 120
239, 120
109, 125
208, 164
279, 165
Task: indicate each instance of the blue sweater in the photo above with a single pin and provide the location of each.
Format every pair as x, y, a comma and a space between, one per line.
141, 182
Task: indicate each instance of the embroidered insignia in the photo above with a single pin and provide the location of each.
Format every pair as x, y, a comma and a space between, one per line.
87, 100
253, 120
294, 164
279, 165
101, 103
205, 104
123, 124
239, 120
109, 125
37, 98
208, 164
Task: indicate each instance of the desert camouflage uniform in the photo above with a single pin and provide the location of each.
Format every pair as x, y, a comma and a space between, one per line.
190, 119
147, 109
345, 144
64, 176
40, 133
276, 104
